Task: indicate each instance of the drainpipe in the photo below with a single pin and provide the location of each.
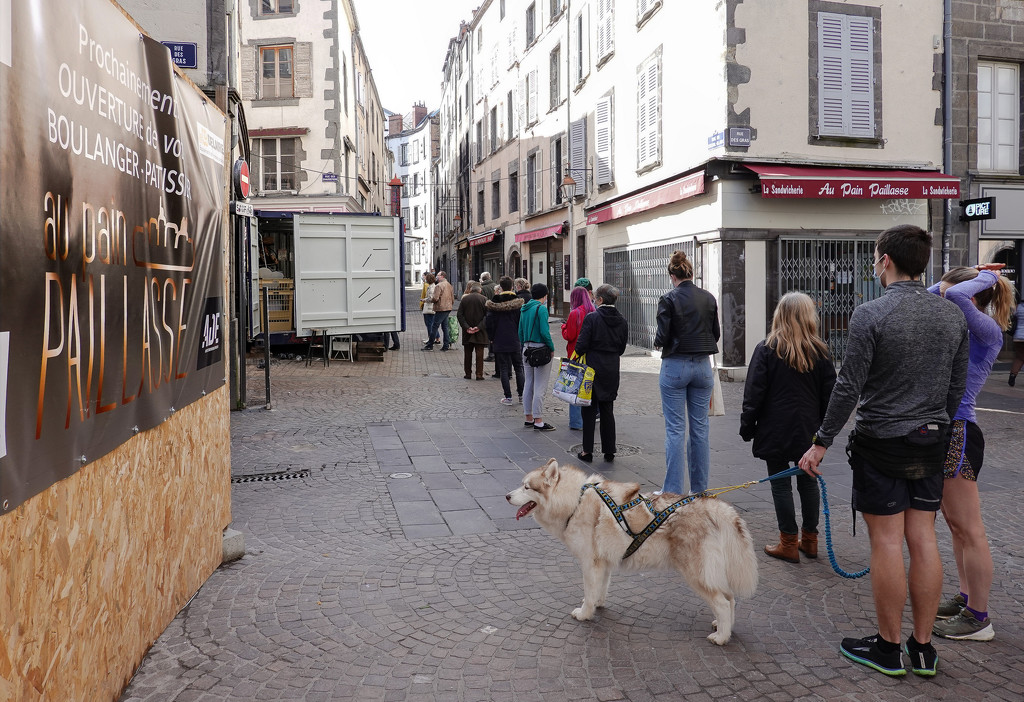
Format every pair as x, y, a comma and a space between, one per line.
947, 124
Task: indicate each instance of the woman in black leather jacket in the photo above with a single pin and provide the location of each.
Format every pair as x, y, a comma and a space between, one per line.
688, 334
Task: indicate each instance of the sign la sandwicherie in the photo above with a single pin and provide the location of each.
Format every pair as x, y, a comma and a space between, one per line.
883, 189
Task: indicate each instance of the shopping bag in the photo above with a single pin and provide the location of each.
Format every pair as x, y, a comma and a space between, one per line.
575, 382
453, 329
717, 408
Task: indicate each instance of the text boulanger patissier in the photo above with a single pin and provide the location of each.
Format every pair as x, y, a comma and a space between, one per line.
116, 152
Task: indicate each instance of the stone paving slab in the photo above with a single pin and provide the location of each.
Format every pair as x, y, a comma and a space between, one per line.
358, 586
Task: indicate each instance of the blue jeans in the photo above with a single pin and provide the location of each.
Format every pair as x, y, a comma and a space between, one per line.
686, 385
440, 324
575, 417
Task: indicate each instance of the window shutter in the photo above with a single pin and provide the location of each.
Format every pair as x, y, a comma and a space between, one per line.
531, 81
494, 65
653, 110
512, 45
603, 140
609, 27
303, 69
642, 99
846, 97
555, 179
602, 40
642, 7
574, 63
249, 72
585, 39
521, 100
578, 154
861, 79
538, 186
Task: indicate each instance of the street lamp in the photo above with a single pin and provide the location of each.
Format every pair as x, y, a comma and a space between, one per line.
568, 188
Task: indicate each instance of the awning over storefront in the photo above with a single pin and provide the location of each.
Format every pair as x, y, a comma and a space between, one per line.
680, 189
542, 233
278, 132
850, 183
484, 237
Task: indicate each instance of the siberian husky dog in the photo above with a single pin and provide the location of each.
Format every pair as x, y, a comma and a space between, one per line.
705, 540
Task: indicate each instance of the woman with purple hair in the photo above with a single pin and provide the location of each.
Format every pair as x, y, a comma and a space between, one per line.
580, 305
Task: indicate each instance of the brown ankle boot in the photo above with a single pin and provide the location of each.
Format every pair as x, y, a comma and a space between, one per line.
809, 543
786, 549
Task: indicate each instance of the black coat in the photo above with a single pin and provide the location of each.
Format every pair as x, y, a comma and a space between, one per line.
602, 338
687, 322
503, 322
782, 408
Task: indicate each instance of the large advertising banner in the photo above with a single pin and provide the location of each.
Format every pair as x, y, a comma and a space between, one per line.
111, 292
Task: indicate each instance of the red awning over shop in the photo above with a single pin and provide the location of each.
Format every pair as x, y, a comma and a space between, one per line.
662, 195
485, 238
851, 183
278, 131
542, 233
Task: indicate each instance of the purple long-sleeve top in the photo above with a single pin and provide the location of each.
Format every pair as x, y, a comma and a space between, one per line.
985, 338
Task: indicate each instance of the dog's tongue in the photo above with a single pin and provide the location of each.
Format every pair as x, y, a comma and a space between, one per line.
525, 509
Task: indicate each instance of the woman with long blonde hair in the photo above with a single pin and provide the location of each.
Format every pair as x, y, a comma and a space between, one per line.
789, 382
986, 299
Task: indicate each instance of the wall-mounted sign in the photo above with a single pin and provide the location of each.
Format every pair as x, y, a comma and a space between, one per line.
183, 53
240, 179
739, 136
243, 209
716, 140
329, 177
980, 208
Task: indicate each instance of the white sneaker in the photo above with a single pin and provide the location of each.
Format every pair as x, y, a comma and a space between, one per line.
658, 492
507, 401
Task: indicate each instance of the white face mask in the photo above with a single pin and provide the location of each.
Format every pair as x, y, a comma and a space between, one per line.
877, 273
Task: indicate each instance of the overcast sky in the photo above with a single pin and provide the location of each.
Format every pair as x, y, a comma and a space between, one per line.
406, 41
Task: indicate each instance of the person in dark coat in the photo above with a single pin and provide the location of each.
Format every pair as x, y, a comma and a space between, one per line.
602, 340
789, 382
471, 314
503, 329
522, 287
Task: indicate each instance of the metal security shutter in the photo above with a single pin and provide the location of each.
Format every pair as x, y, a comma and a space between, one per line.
641, 275
837, 274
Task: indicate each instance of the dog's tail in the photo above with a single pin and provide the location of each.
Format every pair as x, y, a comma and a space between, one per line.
741, 563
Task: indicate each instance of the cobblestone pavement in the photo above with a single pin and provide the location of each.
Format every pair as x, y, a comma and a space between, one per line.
384, 564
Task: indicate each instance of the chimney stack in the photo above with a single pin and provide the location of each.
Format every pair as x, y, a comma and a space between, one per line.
419, 111
394, 124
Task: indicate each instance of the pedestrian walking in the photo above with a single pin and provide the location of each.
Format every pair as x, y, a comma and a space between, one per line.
1018, 344
905, 370
502, 322
444, 300
471, 314
487, 285
534, 334
687, 335
602, 339
580, 305
427, 305
789, 380
965, 616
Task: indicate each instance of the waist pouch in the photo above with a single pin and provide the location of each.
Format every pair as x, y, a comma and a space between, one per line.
921, 453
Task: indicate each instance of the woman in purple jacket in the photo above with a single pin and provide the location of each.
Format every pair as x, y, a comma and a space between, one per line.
965, 616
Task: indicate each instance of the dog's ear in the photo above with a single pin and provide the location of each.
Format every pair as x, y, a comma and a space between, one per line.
550, 472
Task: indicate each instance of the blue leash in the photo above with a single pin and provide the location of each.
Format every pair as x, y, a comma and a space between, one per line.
795, 470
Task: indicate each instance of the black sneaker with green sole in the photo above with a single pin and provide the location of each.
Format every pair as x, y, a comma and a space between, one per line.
866, 652
924, 659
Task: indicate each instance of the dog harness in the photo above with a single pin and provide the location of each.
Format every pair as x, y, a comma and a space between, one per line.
617, 510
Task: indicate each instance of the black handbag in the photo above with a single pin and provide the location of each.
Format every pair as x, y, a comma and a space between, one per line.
538, 356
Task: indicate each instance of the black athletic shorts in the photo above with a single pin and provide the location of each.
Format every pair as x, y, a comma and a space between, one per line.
875, 492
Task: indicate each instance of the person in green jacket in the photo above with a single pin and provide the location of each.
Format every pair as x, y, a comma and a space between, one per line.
534, 333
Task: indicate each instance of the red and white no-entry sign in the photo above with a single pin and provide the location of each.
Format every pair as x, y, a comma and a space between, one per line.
241, 178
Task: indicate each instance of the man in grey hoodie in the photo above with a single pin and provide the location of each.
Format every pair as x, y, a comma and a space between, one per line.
906, 363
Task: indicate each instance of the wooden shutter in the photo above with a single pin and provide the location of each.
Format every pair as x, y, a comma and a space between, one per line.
603, 140
602, 39
521, 102
578, 153
531, 81
249, 73
648, 101
303, 69
512, 53
846, 88
861, 76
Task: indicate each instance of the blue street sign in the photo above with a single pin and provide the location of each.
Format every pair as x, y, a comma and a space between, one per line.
183, 53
